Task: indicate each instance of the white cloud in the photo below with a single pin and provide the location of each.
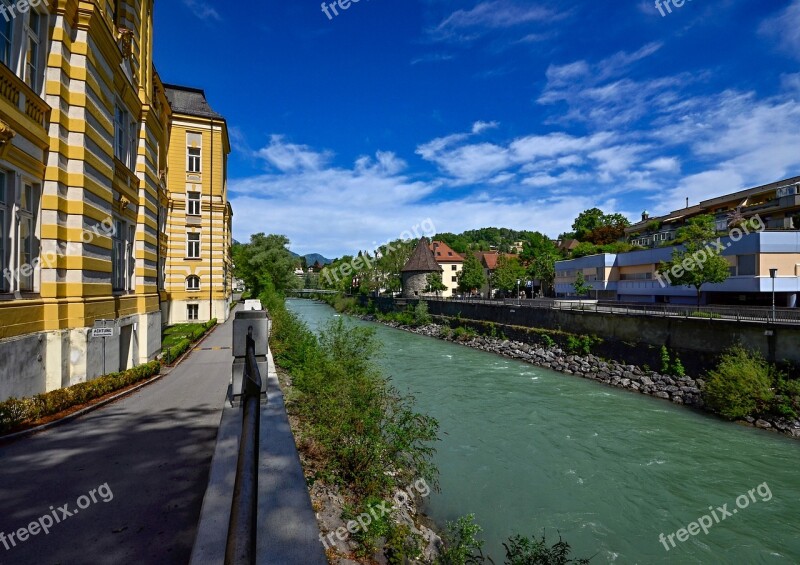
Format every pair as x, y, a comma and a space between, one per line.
465, 25
289, 157
202, 10
784, 27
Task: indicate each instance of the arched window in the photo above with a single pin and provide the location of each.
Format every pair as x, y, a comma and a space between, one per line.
193, 282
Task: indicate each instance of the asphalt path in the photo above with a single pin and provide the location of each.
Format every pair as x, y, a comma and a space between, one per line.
132, 474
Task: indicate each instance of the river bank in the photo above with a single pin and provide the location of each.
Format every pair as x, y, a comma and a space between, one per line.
685, 390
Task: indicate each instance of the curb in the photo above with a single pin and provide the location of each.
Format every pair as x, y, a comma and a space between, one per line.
164, 373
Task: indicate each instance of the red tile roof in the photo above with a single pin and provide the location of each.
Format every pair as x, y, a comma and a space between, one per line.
444, 253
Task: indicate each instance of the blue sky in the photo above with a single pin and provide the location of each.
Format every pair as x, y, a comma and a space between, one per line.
351, 130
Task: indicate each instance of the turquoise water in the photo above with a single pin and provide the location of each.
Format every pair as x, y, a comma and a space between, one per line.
527, 449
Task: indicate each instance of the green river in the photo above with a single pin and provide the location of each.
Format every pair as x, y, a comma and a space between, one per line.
526, 450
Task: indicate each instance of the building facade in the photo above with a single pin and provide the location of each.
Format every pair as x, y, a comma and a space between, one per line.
199, 277
634, 276
451, 263
85, 127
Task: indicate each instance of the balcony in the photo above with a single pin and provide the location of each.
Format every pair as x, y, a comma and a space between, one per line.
27, 112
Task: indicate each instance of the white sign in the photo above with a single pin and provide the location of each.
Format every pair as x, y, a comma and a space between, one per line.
102, 332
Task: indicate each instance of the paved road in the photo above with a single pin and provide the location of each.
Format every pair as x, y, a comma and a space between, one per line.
153, 451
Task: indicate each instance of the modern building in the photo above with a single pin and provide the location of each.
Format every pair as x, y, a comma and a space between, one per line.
777, 204
634, 277
84, 138
451, 263
199, 275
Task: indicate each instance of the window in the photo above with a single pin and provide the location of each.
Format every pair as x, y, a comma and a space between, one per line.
193, 203
26, 237
455, 279
32, 53
4, 236
747, 265
193, 246
454, 268
6, 28
193, 282
194, 152
192, 312
121, 122
123, 262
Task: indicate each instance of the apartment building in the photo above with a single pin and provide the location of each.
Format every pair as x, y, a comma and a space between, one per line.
199, 274
451, 263
633, 276
85, 126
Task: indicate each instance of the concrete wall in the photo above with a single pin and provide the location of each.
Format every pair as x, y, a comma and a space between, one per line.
21, 366
46, 361
686, 335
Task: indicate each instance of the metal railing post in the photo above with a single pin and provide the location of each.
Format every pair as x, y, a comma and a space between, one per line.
240, 548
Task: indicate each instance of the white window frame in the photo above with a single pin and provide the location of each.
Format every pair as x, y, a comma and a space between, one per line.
5, 239
193, 283
193, 245
121, 137
33, 43
193, 312
7, 38
123, 260
194, 163
194, 206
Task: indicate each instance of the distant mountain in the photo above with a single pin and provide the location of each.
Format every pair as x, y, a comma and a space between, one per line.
312, 258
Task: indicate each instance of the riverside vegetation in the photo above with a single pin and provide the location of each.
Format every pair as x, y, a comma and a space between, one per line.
742, 387
358, 434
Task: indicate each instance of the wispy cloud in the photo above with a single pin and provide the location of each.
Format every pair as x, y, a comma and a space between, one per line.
202, 10
469, 24
784, 27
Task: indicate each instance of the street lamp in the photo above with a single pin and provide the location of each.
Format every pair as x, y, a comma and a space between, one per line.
518, 301
773, 273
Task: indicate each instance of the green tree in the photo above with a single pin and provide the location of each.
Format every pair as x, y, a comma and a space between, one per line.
580, 286
471, 276
584, 249
265, 263
607, 226
697, 262
540, 254
508, 272
435, 283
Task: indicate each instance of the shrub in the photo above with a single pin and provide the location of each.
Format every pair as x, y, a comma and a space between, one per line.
665, 359
531, 551
581, 344
421, 315
15, 412
461, 545
741, 384
547, 340
464, 334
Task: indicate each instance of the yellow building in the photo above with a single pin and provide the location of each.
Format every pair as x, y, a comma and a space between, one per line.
198, 262
84, 139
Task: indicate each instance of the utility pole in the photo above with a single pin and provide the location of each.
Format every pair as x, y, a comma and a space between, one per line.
773, 273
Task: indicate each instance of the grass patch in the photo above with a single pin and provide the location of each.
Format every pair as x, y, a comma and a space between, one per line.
177, 339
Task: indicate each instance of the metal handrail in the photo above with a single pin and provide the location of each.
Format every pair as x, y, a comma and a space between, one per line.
242, 528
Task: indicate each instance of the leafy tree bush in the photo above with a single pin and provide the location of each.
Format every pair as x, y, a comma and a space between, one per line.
15, 412
741, 384
532, 551
421, 315
461, 545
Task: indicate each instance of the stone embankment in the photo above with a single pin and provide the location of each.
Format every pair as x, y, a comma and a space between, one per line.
685, 390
